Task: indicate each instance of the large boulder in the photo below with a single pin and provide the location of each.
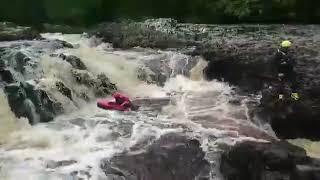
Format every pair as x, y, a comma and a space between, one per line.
100, 84
268, 161
158, 68
247, 64
74, 61
152, 33
171, 157
244, 58
12, 32
20, 75
35, 104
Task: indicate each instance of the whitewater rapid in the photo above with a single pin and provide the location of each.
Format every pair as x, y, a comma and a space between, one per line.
85, 134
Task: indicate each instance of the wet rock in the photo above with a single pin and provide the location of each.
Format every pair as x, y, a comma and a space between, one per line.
144, 34
154, 77
56, 164
104, 85
74, 61
110, 137
2, 64
12, 32
143, 75
7, 76
84, 96
64, 90
16, 66
29, 96
63, 44
27, 101
153, 104
79, 122
21, 60
171, 157
159, 68
83, 77
101, 85
268, 161
81, 175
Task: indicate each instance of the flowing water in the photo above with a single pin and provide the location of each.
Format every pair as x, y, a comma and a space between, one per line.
211, 112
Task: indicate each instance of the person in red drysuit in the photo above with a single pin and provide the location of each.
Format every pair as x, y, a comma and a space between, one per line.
122, 100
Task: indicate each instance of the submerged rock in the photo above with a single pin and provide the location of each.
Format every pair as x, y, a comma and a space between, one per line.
56, 164
268, 161
171, 157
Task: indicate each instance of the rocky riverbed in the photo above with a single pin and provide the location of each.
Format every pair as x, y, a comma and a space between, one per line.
240, 55
226, 126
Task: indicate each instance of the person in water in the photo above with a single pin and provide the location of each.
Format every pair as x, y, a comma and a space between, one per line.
124, 101
285, 64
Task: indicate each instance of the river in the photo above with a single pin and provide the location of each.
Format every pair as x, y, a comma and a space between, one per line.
211, 112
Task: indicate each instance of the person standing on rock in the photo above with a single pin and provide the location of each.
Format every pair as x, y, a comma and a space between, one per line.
285, 64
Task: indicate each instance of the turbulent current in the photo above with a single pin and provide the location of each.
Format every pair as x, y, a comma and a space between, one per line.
211, 112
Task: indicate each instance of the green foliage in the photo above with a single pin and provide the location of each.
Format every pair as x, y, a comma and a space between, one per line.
88, 12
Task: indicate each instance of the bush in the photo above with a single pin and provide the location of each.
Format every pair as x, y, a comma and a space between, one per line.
88, 12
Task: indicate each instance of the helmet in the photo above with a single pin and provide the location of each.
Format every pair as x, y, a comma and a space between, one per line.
286, 44
116, 95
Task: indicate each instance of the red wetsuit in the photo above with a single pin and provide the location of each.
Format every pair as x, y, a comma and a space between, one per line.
122, 100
